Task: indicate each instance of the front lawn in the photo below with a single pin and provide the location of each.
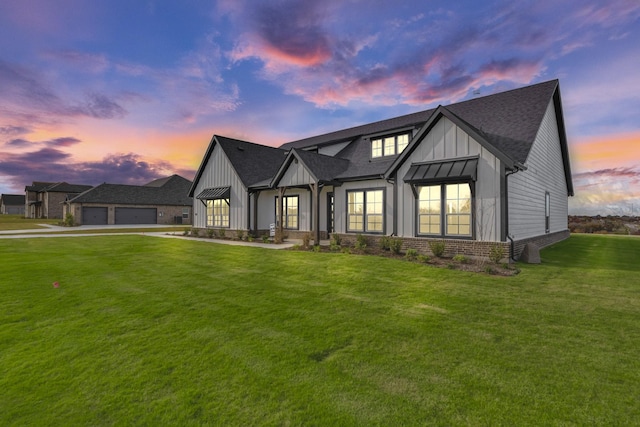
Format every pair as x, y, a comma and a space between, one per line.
19, 222
145, 330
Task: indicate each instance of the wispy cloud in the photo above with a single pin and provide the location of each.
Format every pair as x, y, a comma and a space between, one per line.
30, 95
611, 191
125, 168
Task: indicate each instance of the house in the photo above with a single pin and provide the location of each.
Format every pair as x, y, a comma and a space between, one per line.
490, 172
163, 201
43, 199
12, 204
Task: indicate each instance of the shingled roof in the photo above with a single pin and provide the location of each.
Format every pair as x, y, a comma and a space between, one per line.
254, 163
12, 199
172, 191
506, 123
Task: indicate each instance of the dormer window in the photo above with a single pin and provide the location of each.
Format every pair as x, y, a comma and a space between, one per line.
389, 145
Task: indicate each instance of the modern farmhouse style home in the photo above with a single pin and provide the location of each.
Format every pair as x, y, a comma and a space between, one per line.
490, 171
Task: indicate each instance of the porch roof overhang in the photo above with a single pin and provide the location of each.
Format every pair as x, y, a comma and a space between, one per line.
214, 193
443, 171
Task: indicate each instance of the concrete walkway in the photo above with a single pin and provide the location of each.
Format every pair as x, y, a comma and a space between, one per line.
58, 231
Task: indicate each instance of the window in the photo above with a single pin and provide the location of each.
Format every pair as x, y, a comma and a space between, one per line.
185, 213
458, 209
445, 210
218, 213
389, 145
365, 211
429, 210
289, 212
547, 211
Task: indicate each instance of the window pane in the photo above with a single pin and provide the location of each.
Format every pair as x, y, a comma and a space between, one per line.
374, 223
355, 210
403, 141
390, 146
376, 148
429, 206
458, 205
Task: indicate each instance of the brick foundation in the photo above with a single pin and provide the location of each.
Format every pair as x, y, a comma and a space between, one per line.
540, 241
470, 248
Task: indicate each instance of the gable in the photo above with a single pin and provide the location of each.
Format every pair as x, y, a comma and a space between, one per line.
296, 174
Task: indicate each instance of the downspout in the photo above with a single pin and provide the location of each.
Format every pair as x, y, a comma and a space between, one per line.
518, 167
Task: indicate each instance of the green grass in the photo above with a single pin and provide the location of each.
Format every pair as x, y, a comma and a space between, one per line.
154, 331
19, 222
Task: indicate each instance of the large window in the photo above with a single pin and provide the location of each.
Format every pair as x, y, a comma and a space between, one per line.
445, 210
218, 213
365, 211
389, 145
289, 212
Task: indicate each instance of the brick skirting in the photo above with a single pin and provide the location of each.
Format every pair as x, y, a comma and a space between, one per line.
471, 248
540, 241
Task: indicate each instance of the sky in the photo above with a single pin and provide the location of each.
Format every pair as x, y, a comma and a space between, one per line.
125, 91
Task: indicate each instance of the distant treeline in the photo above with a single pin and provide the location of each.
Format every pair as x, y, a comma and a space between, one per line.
604, 224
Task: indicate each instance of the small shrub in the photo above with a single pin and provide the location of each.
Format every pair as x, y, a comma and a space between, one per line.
186, 232
437, 247
265, 238
240, 234
461, 259
346, 250
361, 242
496, 253
411, 254
488, 269
221, 233
424, 258
195, 232
296, 247
334, 244
69, 220
395, 245
451, 266
317, 248
211, 233
385, 243
250, 238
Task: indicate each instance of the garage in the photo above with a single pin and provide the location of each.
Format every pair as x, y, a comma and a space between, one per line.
94, 216
136, 216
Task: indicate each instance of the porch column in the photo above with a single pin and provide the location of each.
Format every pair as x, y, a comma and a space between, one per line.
256, 194
281, 191
315, 191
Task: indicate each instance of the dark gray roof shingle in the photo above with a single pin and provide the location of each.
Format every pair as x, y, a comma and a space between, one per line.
12, 199
173, 192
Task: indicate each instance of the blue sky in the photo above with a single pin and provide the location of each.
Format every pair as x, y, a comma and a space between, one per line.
129, 91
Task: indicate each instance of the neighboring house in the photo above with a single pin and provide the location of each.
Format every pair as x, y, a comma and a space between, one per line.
12, 204
44, 199
163, 201
490, 171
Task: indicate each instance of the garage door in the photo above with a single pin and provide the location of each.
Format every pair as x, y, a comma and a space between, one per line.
136, 216
94, 216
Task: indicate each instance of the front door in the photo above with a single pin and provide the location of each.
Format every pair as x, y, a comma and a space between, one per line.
330, 213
